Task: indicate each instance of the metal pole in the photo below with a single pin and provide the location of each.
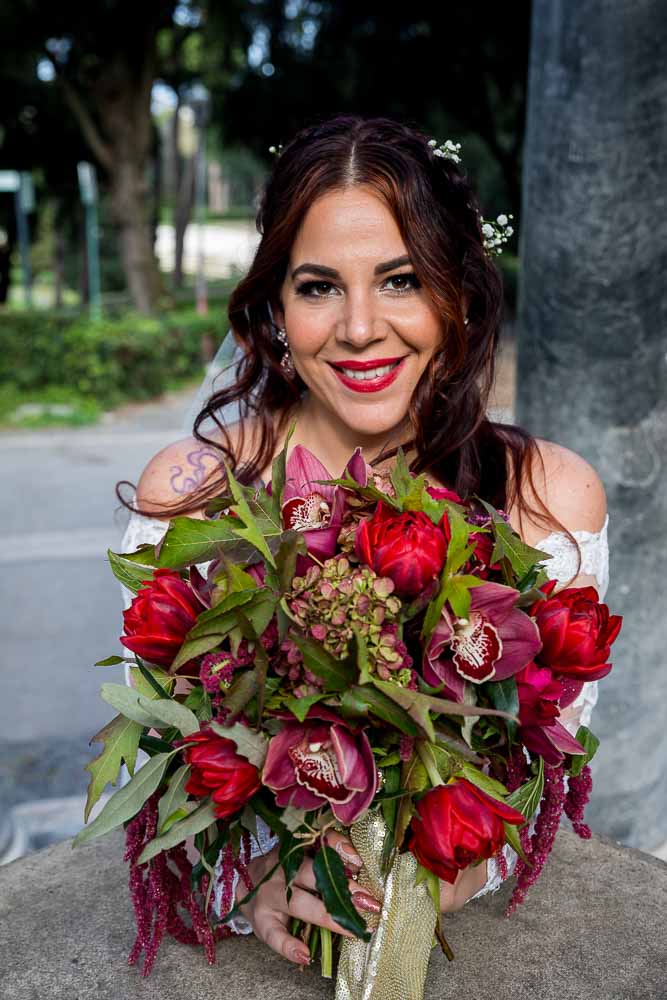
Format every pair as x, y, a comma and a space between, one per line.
23, 234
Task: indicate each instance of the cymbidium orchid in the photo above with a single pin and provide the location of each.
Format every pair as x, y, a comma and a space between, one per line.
315, 508
494, 642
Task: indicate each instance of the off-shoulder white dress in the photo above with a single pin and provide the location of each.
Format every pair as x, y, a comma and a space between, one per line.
562, 566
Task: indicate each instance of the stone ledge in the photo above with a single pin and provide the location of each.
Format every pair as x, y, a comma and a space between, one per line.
593, 929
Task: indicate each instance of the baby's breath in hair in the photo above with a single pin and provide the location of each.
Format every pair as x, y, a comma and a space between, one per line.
496, 233
275, 149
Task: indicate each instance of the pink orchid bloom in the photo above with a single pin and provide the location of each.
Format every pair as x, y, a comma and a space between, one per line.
540, 694
322, 761
313, 508
493, 643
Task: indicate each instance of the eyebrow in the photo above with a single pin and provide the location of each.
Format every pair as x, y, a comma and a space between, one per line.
331, 272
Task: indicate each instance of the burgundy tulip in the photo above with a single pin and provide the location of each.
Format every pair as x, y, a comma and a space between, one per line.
403, 545
220, 771
577, 632
160, 616
457, 824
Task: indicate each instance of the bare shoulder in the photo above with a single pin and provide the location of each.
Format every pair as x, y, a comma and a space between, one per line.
570, 487
179, 469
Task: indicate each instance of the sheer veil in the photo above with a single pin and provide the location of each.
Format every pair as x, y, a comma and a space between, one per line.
220, 373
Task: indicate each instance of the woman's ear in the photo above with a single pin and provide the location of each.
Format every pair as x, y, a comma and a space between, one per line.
278, 313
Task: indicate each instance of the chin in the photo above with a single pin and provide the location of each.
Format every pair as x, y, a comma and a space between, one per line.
373, 421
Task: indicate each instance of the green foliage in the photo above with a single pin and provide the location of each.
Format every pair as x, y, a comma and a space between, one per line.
102, 364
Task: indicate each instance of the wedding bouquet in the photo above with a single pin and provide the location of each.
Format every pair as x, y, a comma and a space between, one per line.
370, 654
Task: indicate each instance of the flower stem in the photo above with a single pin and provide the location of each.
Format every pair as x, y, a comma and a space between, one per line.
326, 954
428, 760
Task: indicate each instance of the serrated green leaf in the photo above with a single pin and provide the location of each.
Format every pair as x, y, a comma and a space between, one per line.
174, 797
193, 824
121, 740
130, 574
190, 540
128, 800
247, 527
331, 882
249, 743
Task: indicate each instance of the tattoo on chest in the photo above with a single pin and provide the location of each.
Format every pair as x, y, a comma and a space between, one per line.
187, 477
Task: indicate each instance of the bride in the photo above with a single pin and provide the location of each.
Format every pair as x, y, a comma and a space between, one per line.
371, 316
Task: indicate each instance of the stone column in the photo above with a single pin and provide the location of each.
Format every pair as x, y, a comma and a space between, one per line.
592, 370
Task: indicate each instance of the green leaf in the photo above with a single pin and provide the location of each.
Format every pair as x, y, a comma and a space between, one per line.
243, 688
361, 701
121, 739
360, 647
279, 473
526, 798
299, 707
419, 706
126, 700
247, 527
128, 800
508, 545
197, 821
199, 701
249, 743
291, 856
331, 882
391, 786
458, 593
194, 647
590, 743
335, 673
503, 695
292, 544
513, 839
171, 713
111, 661
130, 574
190, 540
490, 785
174, 798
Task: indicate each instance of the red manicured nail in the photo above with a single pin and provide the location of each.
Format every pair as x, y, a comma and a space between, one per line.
363, 901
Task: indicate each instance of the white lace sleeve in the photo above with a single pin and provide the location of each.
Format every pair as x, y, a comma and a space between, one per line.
594, 550
147, 530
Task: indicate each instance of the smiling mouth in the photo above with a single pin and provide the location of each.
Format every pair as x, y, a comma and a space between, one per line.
370, 379
370, 374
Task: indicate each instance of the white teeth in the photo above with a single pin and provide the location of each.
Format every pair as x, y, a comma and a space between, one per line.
370, 373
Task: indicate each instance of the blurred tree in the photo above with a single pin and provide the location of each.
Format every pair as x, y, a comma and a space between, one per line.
104, 59
457, 69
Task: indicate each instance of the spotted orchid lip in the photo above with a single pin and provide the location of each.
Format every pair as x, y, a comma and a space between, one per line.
363, 366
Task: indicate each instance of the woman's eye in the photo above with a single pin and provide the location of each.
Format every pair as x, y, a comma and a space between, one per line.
308, 288
411, 279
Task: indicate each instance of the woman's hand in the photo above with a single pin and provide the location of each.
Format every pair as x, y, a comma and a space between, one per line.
269, 912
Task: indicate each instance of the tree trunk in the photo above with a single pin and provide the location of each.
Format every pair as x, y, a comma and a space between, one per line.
592, 372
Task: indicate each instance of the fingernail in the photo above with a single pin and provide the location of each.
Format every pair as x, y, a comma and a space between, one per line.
348, 854
363, 901
300, 956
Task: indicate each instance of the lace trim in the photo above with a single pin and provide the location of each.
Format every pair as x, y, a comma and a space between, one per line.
594, 548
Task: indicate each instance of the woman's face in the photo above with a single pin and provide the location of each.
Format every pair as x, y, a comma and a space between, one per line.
360, 327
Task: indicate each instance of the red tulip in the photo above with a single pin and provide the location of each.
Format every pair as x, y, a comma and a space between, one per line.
576, 631
403, 545
540, 694
220, 771
457, 824
160, 616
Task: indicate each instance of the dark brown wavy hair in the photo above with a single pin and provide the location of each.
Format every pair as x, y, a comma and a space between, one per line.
438, 215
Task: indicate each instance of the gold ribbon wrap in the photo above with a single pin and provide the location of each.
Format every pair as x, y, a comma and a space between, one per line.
393, 964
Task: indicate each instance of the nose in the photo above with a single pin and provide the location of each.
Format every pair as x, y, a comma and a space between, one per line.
360, 325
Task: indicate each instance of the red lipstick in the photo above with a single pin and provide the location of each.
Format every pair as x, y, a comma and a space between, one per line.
370, 384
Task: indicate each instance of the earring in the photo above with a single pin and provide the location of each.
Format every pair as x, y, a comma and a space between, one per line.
286, 362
